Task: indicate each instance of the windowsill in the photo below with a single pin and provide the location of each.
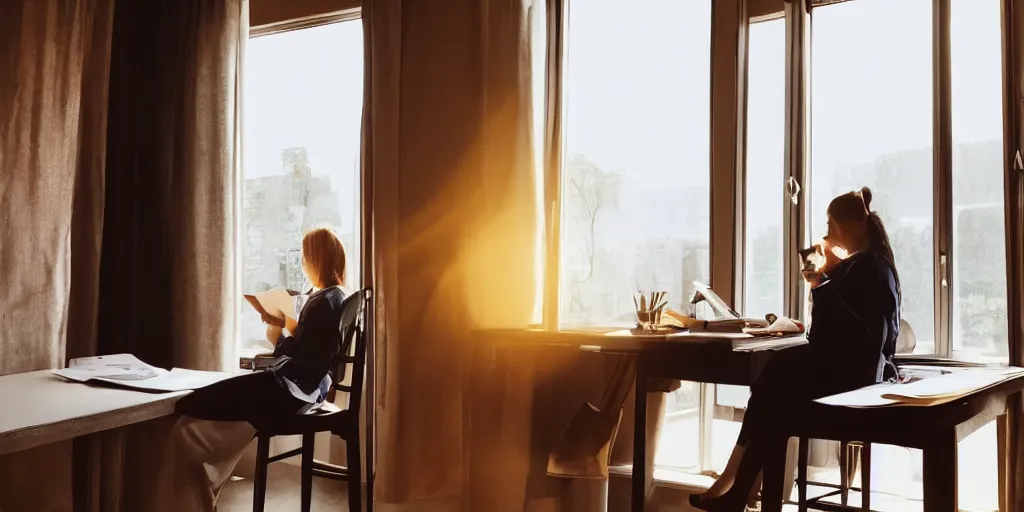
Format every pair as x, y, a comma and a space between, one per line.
669, 478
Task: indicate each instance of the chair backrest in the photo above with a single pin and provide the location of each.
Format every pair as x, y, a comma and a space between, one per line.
353, 340
907, 340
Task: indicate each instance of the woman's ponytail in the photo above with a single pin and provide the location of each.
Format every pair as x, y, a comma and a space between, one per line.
856, 207
878, 235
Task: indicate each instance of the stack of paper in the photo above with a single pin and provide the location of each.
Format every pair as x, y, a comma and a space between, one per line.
126, 370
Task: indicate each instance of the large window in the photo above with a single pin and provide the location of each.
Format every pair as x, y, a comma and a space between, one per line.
302, 113
635, 201
871, 125
875, 109
635, 176
635, 184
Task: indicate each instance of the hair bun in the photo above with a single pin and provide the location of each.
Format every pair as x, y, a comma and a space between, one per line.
866, 194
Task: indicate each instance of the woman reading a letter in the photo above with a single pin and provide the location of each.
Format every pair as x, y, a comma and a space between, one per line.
215, 427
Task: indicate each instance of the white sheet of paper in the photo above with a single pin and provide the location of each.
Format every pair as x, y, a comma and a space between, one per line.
927, 391
277, 299
178, 379
951, 384
870, 396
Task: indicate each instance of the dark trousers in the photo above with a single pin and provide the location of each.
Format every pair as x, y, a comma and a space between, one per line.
252, 397
791, 380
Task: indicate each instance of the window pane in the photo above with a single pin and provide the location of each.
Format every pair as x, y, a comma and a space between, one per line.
762, 272
679, 439
871, 125
303, 101
979, 258
766, 128
635, 204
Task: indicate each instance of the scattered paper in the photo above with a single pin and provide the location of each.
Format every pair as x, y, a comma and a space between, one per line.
126, 370
123, 367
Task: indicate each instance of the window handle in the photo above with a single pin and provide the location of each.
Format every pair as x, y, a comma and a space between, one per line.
793, 189
945, 272
1018, 162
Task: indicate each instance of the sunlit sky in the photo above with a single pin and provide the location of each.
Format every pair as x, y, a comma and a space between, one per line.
304, 88
638, 87
637, 92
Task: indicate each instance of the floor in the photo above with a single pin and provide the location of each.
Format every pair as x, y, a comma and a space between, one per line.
283, 492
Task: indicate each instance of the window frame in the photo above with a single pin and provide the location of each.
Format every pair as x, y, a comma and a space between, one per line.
797, 136
363, 234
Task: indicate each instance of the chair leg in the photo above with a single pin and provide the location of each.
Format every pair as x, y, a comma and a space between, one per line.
259, 485
801, 480
865, 476
307, 471
844, 473
355, 480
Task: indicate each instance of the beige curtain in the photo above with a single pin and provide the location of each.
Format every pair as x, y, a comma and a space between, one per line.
168, 283
118, 171
53, 84
447, 145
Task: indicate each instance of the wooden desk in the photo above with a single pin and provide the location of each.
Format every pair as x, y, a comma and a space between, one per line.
41, 408
710, 358
935, 430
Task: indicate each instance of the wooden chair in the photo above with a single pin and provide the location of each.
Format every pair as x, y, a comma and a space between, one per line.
851, 454
343, 423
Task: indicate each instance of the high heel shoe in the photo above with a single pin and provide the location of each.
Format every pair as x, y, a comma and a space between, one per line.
727, 502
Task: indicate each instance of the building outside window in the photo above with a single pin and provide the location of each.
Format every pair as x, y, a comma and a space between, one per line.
301, 140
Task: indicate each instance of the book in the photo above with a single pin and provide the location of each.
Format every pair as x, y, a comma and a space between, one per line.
126, 370
274, 305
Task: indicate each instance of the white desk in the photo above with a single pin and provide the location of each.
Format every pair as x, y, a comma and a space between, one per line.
38, 408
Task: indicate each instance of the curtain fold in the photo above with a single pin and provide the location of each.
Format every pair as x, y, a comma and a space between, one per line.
118, 173
447, 142
168, 282
53, 97
52, 109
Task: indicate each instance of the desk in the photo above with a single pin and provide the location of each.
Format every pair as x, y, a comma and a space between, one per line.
41, 408
710, 358
935, 430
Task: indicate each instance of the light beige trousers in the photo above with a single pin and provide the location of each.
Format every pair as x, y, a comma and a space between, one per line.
198, 461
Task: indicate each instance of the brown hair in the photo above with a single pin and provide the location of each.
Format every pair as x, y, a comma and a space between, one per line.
856, 207
325, 256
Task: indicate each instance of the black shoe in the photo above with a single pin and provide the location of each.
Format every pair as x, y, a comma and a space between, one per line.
723, 503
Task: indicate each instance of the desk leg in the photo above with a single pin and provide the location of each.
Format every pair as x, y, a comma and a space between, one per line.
940, 485
85, 459
97, 471
639, 478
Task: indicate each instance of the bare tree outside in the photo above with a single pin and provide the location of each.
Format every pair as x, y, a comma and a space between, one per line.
591, 191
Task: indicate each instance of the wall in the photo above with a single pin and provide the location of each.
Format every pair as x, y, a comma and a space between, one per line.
269, 12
